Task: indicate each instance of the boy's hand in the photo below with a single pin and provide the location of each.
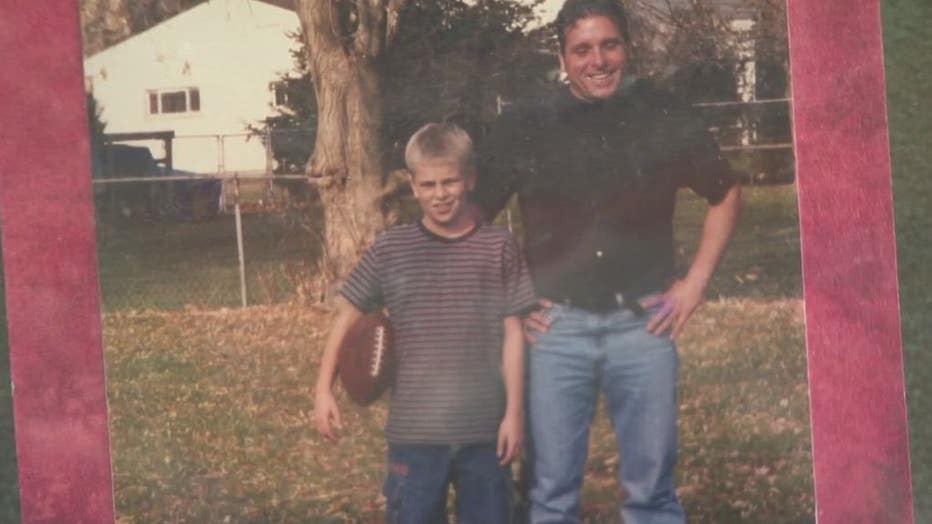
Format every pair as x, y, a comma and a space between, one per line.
327, 415
510, 439
537, 321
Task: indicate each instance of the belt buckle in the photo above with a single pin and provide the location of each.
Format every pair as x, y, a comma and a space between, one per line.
633, 305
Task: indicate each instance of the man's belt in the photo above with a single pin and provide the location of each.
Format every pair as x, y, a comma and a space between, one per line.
604, 303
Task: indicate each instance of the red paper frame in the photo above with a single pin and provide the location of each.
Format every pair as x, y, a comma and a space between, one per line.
857, 394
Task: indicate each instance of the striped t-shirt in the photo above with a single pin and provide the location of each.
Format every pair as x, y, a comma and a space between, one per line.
446, 299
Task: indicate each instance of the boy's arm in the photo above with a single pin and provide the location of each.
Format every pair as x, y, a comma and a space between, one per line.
511, 431
326, 414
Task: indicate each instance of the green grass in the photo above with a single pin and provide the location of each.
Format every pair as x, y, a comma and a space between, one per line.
171, 265
9, 486
763, 260
908, 56
210, 410
217, 428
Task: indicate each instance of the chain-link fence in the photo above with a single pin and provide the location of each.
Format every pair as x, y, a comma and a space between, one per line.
170, 237
266, 151
756, 136
205, 241
204, 220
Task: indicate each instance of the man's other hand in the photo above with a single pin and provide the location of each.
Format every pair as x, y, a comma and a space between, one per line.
537, 321
676, 306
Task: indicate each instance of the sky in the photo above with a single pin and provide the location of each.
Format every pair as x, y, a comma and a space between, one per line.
548, 11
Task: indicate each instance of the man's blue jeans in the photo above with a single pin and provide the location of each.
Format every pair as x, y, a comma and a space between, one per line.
419, 477
582, 353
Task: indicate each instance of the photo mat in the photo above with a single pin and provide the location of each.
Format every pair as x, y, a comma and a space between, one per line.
802, 141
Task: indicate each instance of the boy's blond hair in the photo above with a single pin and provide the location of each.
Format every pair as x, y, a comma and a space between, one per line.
440, 142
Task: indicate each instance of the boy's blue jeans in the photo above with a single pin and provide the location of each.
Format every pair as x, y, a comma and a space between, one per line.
583, 353
419, 477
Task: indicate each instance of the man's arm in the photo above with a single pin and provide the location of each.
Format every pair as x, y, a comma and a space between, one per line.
684, 295
501, 157
326, 414
511, 431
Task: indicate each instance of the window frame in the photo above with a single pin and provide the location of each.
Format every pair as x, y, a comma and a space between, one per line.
155, 101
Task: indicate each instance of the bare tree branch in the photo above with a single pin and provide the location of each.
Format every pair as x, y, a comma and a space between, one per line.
674, 18
654, 11
377, 23
365, 29
393, 13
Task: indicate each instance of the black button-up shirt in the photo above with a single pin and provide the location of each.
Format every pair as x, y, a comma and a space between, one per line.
597, 182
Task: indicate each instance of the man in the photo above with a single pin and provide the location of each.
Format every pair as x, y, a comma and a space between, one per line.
596, 168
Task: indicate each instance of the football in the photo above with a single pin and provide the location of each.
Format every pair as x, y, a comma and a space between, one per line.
366, 362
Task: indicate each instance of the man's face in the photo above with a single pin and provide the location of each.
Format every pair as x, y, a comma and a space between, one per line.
440, 188
593, 58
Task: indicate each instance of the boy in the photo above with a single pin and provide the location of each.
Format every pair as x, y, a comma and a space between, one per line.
455, 289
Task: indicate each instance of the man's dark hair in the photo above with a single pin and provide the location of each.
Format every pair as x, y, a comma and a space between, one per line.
575, 10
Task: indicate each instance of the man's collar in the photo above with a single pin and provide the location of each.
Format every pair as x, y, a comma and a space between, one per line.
625, 89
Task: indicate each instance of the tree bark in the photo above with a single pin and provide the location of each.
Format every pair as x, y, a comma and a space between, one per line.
344, 49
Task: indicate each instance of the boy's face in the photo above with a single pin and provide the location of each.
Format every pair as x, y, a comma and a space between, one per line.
440, 188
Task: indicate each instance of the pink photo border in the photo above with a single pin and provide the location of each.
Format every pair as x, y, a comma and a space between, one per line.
50, 267
853, 339
857, 394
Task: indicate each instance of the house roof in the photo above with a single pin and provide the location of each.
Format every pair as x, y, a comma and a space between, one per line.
274, 9
284, 4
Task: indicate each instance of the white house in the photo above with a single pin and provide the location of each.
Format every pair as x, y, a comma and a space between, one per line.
205, 74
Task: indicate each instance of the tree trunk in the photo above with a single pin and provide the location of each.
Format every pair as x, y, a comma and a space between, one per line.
347, 166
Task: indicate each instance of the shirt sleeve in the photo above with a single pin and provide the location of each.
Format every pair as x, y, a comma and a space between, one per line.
363, 287
519, 290
703, 168
502, 156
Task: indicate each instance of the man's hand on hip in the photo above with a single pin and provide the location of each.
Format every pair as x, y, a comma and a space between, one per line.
537, 321
676, 306
679, 302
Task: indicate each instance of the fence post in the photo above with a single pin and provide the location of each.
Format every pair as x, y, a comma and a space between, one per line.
221, 165
239, 240
268, 163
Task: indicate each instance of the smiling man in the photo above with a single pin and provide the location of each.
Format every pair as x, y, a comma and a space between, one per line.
596, 166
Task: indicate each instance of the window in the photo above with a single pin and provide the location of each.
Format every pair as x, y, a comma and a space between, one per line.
279, 93
194, 99
174, 101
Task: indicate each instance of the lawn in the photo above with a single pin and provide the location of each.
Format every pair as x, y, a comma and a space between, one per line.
9, 492
908, 55
171, 265
210, 408
210, 421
